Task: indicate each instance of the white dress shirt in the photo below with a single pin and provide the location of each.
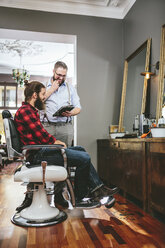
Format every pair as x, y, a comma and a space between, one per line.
58, 99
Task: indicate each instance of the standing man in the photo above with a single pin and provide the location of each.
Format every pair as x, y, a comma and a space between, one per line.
59, 93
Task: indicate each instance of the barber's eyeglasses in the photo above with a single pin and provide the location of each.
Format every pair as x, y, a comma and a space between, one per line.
60, 75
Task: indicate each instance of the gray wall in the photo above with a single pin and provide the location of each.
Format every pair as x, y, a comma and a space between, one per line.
144, 21
99, 64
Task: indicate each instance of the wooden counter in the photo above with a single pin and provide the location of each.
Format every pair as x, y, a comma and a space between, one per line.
137, 166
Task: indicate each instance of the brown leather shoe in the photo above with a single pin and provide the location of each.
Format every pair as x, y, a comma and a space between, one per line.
59, 199
103, 191
26, 203
110, 202
111, 191
88, 204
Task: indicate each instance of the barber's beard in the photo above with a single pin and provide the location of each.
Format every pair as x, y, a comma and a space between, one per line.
61, 82
39, 104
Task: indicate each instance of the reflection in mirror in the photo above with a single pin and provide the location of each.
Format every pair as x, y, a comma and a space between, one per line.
134, 90
163, 106
160, 111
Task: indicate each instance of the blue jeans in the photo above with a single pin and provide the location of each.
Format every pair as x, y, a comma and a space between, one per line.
86, 177
94, 180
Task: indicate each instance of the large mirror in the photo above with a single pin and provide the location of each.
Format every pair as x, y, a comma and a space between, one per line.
160, 111
134, 92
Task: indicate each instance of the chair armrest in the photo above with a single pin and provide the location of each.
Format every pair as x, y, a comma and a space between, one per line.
27, 149
37, 147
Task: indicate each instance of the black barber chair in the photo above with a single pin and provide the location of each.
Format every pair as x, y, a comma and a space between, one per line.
40, 213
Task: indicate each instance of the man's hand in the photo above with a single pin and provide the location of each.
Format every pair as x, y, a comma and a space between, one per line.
67, 113
55, 85
73, 112
59, 142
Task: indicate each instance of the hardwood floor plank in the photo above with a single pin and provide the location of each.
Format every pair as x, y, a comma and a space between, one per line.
22, 241
107, 229
92, 234
82, 234
123, 226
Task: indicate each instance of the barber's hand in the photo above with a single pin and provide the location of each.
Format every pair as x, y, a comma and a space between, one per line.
55, 85
67, 113
59, 142
73, 112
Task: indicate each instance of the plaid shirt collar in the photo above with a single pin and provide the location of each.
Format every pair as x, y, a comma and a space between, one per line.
28, 104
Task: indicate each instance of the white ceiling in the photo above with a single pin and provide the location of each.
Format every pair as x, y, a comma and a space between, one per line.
101, 8
62, 48
37, 57
54, 47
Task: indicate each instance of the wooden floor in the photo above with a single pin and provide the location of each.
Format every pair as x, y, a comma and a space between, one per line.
124, 225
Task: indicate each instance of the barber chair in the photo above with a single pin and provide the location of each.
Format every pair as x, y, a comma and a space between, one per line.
39, 213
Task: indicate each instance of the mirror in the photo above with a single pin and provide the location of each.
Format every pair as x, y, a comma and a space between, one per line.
134, 92
160, 111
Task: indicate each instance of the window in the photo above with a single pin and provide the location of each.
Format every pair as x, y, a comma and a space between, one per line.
11, 97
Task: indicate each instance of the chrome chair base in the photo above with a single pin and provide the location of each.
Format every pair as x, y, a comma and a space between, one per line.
17, 219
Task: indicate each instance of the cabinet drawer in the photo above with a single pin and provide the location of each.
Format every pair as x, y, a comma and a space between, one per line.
157, 147
132, 146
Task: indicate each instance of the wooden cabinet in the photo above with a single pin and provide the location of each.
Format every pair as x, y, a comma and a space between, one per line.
103, 157
156, 176
137, 166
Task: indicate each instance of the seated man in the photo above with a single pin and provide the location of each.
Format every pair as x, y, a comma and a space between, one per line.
31, 131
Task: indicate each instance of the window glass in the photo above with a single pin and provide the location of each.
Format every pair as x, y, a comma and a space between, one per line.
10, 96
20, 96
2, 140
1, 96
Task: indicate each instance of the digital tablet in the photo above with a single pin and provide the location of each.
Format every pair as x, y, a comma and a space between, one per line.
63, 109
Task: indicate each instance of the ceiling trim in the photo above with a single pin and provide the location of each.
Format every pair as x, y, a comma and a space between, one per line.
37, 36
68, 7
90, 2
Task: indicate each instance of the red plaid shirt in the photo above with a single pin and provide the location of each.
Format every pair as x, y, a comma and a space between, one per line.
30, 128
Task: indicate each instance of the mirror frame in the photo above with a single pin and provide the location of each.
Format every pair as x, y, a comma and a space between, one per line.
161, 76
146, 44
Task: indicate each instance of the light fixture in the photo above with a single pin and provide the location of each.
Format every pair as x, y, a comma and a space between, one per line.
20, 75
20, 48
148, 74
